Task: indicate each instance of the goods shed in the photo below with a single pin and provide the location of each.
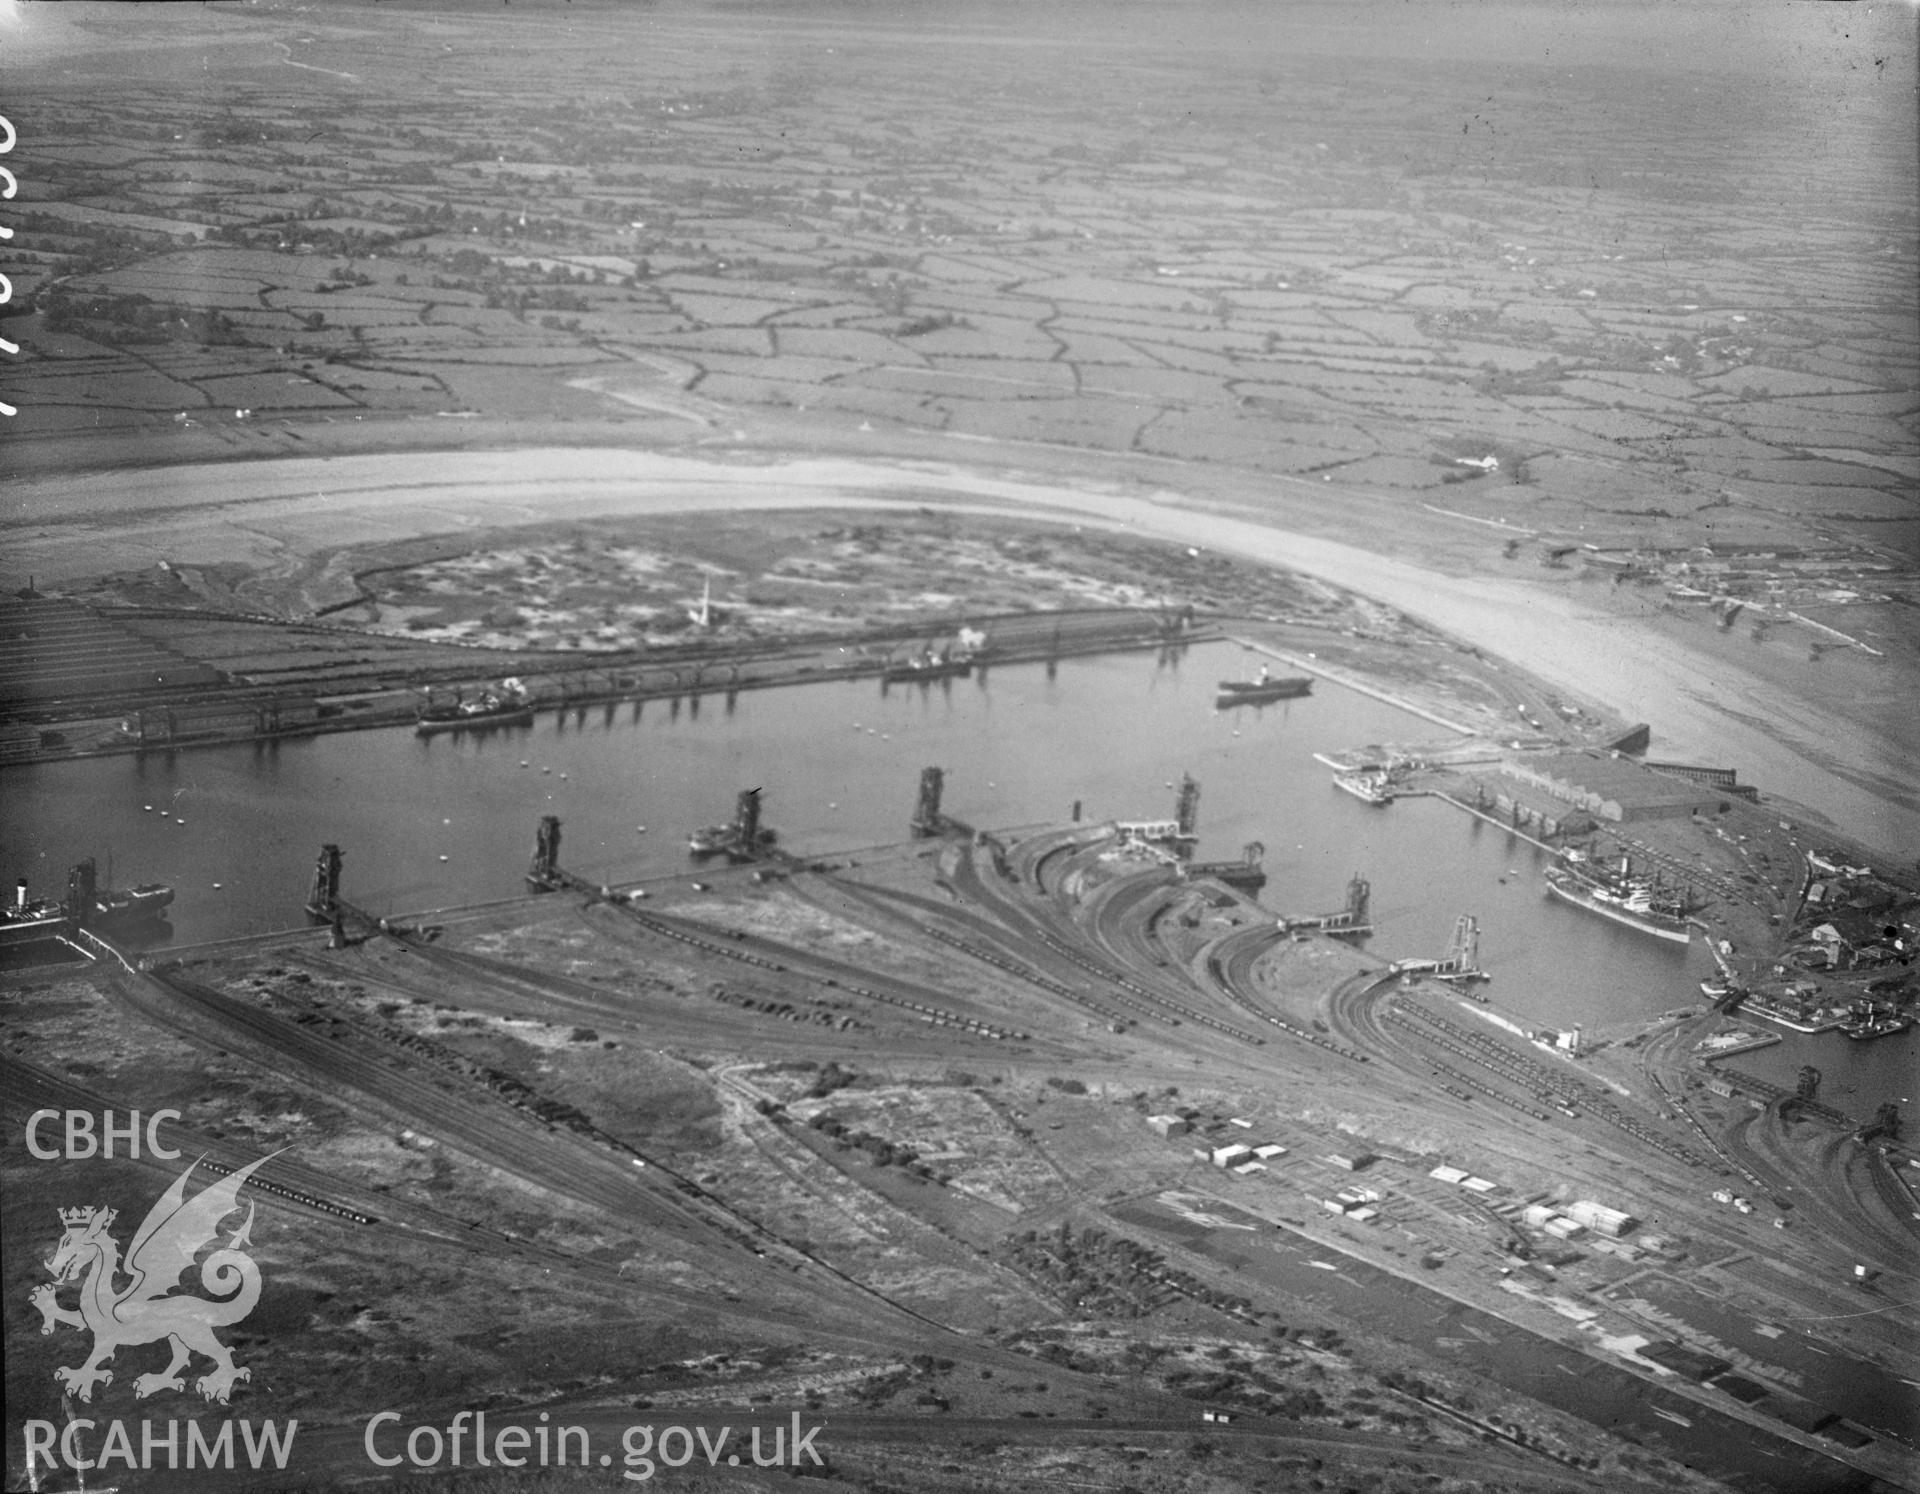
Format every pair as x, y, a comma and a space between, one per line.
1613, 788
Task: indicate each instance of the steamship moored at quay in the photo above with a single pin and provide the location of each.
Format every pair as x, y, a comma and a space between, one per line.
28, 921
507, 706
1640, 903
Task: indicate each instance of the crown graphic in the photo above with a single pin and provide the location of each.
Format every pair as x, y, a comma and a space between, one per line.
72, 1217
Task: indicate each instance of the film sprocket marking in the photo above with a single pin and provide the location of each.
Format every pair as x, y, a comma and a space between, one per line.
6, 286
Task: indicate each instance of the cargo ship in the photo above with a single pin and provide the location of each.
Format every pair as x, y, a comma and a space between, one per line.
717, 840
1872, 1019
506, 706
713, 840
1262, 689
116, 907
1640, 903
741, 839
27, 920
1369, 788
927, 665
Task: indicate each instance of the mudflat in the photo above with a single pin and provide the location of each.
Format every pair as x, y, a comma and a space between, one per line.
1834, 739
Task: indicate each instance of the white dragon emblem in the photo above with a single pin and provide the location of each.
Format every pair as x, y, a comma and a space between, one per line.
174, 1232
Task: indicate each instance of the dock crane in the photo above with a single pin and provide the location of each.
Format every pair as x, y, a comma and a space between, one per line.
1803, 1094
1885, 1123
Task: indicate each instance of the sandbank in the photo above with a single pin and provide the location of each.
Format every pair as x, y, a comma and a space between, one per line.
1852, 772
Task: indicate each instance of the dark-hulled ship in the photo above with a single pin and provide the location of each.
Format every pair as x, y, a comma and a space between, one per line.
1265, 687
139, 910
1872, 1019
508, 705
946, 664
1638, 902
741, 839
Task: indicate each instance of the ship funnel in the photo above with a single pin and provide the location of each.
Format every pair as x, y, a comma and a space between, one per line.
20, 893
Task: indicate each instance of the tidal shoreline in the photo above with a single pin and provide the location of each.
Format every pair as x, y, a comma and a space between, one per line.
269, 514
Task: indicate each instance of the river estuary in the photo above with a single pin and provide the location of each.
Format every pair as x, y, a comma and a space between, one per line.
436, 822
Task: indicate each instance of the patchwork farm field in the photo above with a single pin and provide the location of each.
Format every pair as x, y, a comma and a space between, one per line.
1129, 269
1552, 372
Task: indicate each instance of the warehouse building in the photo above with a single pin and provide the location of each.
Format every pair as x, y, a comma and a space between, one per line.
1600, 1219
1614, 789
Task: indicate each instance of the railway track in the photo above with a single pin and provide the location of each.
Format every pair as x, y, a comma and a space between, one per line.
1230, 964
27, 1085
466, 1116
1132, 995
1563, 1091
764, 954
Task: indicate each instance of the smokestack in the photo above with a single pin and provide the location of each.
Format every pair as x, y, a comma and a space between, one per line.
20, 893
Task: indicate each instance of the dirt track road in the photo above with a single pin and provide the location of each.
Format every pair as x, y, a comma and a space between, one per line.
1857, 772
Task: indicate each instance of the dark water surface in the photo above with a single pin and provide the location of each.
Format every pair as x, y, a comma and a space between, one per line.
435, 822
